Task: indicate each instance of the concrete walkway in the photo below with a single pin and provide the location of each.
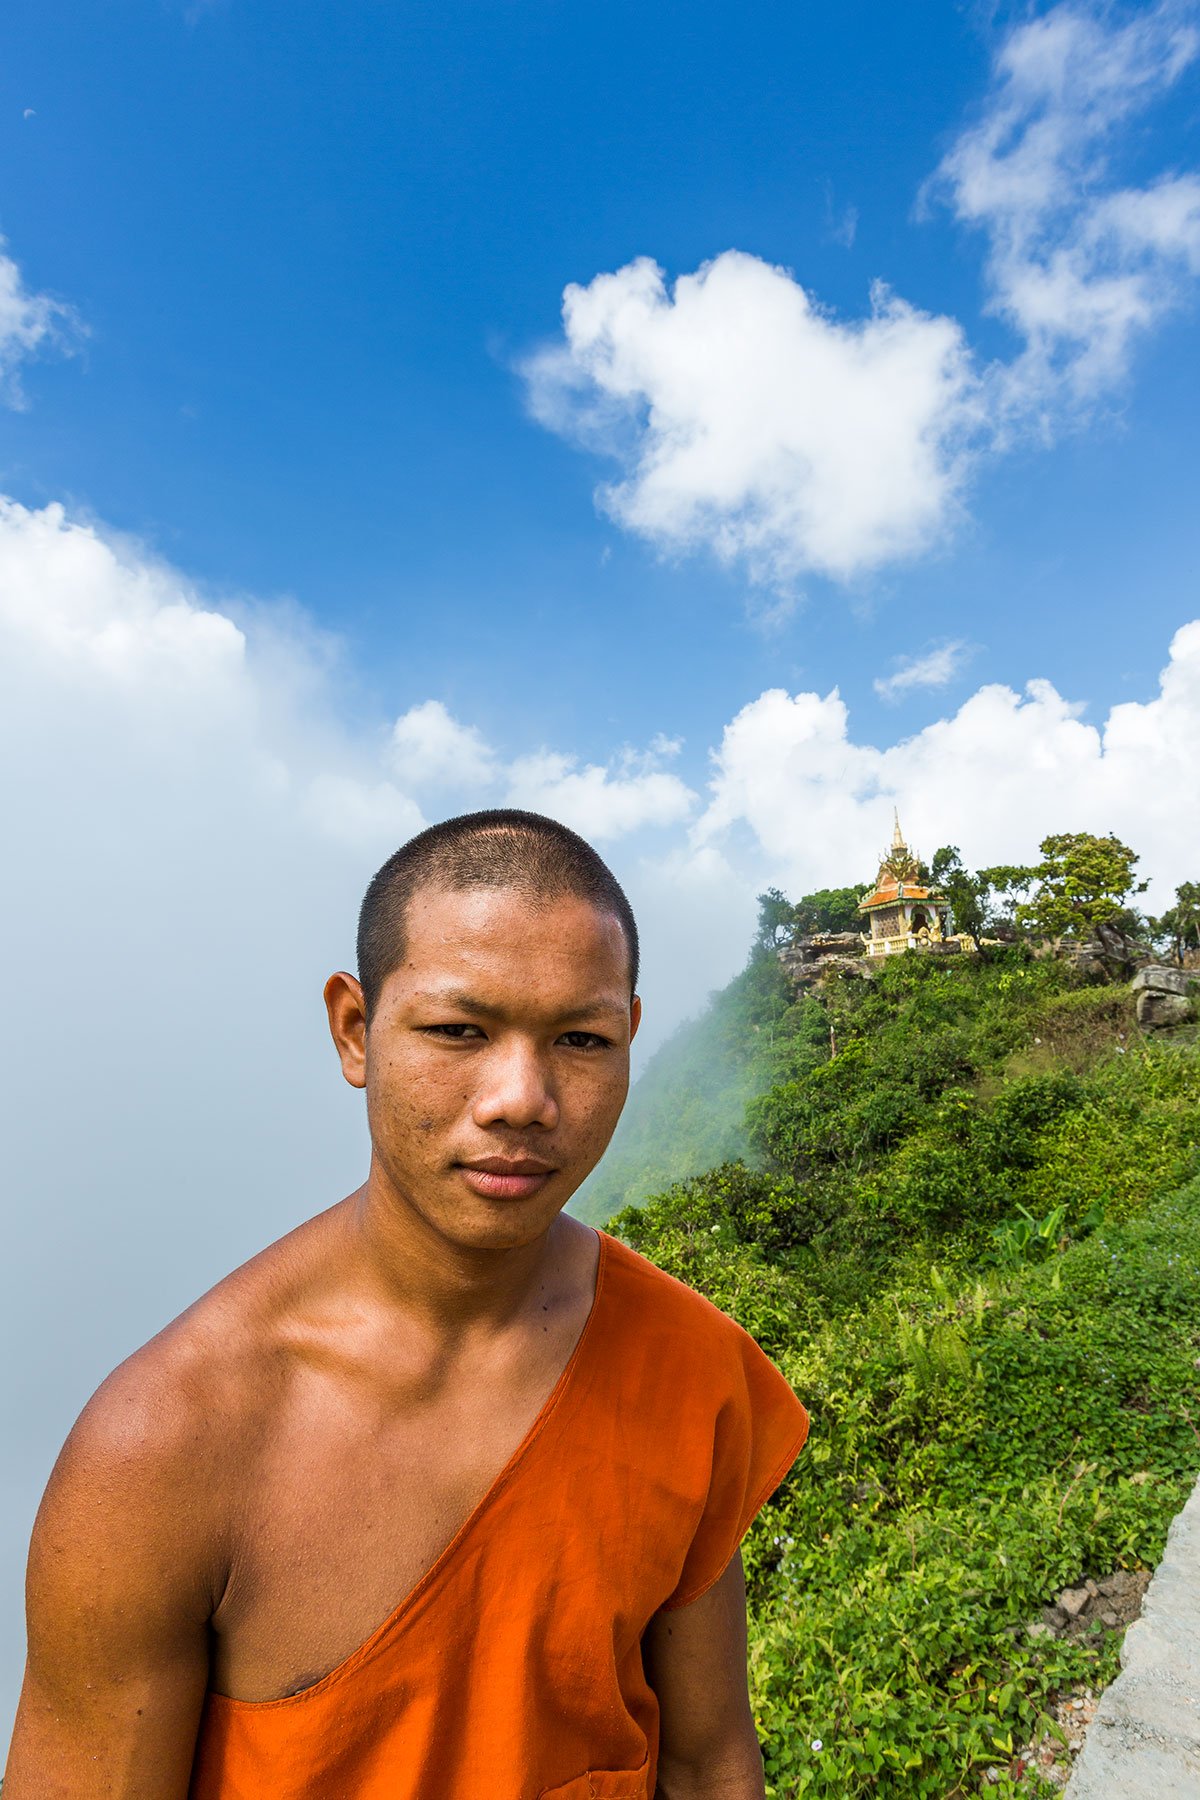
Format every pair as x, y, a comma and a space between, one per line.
1144, 1741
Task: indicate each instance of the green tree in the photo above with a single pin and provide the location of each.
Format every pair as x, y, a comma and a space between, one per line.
776, 920
826, 910
829, 909
982, 901
1082, 882
1180, 924
969, 895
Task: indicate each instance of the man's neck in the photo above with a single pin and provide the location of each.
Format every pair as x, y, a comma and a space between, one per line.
449, 1286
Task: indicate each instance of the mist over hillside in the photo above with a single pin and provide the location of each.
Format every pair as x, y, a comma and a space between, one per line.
687, 1111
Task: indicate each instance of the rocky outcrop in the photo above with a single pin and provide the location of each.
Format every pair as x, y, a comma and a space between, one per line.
1165, 996
1108, 954
807, 959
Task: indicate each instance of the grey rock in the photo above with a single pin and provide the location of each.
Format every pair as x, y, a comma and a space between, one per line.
1157, 1011
1073, 1601
1144, 1743
1160, 979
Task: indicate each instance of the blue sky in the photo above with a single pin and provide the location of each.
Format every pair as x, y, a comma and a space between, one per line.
309, 243
714, 425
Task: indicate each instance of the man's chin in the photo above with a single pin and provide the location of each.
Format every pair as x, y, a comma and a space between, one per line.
483, 1224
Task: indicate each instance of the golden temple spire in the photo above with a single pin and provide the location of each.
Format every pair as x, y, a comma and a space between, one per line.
897, 835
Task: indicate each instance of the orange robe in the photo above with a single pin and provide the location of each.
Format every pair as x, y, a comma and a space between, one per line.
513, 1670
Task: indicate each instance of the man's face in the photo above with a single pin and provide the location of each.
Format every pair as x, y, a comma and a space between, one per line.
497, 1060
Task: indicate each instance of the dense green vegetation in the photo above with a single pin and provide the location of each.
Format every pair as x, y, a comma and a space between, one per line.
970, 1240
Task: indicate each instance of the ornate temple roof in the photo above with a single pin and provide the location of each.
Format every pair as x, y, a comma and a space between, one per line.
899, 877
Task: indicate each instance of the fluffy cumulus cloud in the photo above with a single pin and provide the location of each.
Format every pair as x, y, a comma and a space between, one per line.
430, 749
753, 422
603, 802
109, 654
433, 752
793, 793
1078, 264
749, 421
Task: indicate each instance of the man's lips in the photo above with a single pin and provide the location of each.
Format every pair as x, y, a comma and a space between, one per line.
499, 1178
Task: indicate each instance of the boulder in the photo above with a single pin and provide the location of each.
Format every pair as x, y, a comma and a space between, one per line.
1159, 979
1157, 1011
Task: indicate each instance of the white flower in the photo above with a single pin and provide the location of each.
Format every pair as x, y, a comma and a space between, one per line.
817, 1744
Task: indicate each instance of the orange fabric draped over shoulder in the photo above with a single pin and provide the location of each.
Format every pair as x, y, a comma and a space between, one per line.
513, 1670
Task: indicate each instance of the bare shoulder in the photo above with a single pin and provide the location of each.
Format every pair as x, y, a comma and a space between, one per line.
166, 1438
133, 1543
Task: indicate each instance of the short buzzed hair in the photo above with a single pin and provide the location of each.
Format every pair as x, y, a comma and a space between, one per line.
503, 848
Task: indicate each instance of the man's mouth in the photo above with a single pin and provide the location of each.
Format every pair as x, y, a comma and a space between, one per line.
505, 1178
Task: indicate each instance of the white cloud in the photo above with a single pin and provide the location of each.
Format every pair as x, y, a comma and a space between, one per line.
796, 798
429, 748
77, 602
1077, 264
933, 670
601, 802
753, 423
756, 424
29, 323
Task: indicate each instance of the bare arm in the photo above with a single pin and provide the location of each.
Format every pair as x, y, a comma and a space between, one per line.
118, 1604
696, 1664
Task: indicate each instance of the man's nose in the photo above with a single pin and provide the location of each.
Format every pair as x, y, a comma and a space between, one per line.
517, 1089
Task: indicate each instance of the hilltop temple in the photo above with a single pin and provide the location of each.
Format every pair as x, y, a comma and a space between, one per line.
904, 914
901, 913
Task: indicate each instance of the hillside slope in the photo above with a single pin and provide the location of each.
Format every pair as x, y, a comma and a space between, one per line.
971, 1245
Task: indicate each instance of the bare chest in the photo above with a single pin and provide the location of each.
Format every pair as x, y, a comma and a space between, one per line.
347, 1507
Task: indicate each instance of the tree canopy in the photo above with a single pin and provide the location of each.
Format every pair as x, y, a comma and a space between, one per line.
826, 910
1180, 924
1082, 882
829, 909
969, 895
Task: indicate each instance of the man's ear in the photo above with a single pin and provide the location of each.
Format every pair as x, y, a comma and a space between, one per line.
347, 1012
635, 1016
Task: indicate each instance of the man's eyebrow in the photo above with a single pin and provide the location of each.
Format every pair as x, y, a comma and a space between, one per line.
464, 1001
459, 999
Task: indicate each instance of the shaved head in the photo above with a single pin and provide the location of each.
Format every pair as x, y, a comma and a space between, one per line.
504, 848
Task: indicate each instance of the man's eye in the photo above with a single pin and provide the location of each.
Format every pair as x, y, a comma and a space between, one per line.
583, 1040
455, 1032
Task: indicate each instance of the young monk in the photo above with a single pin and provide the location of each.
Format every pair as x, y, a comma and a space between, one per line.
440, 1497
